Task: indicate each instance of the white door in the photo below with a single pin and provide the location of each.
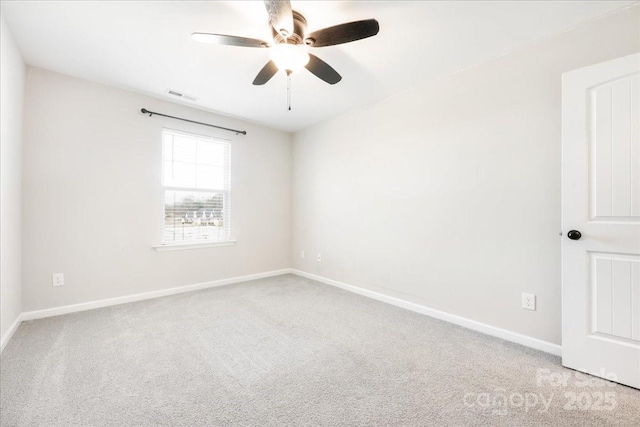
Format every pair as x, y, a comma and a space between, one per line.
601, 220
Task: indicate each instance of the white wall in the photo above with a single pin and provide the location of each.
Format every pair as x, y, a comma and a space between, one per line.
92, 173
449, 195
12, 72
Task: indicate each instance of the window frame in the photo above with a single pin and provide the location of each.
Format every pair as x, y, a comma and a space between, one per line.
226, 240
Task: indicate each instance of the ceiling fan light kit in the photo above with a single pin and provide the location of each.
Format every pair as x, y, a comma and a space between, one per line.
289, 57
290, 41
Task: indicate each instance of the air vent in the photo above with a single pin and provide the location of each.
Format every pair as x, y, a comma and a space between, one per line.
181, 95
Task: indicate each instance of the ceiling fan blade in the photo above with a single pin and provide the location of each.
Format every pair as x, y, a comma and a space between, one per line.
280, 16
265, 74
228, 40
323, 70
343, 33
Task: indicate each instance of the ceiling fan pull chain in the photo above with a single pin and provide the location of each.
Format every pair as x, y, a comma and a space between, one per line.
289, 90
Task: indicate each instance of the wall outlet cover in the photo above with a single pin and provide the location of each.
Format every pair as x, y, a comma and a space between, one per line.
57, 279
528, 301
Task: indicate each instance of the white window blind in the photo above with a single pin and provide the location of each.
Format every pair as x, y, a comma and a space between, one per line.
196, 181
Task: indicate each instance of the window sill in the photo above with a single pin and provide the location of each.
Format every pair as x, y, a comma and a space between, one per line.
198, 245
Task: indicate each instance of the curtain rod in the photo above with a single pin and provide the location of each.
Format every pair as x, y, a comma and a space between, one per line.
151, 113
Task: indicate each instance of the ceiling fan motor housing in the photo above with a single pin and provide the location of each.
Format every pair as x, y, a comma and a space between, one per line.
299, 30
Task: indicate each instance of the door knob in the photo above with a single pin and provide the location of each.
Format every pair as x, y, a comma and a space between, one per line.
574, 235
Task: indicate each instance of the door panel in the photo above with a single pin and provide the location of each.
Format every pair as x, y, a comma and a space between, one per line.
613, 290
614, 140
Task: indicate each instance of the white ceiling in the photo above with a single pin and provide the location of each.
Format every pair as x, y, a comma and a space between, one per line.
146, 47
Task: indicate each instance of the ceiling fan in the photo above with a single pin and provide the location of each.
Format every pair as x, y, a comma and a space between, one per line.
288, 49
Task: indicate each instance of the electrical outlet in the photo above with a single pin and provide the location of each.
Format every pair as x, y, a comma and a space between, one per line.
528, 301
319, 258
302, 254
57, 279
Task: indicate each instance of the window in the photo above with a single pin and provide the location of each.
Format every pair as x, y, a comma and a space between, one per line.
196, 187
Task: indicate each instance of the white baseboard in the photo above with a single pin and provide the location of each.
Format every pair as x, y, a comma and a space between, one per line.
57, 311
526, 340
12, 329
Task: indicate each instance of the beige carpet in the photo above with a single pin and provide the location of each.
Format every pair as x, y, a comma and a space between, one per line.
287, 351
